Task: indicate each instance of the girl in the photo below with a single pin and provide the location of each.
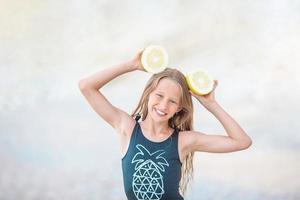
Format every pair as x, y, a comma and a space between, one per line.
157, 152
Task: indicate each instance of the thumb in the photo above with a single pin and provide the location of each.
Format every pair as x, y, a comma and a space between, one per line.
215, 83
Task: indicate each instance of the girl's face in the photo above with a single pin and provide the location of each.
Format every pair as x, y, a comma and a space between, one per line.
164, 101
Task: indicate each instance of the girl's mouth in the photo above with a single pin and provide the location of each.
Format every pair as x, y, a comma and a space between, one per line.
160, 113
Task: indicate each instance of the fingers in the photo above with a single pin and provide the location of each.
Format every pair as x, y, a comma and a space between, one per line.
216, 82
141, 51
191, 93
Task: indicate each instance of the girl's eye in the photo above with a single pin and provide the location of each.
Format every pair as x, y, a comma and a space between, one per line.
159, 95
173, 102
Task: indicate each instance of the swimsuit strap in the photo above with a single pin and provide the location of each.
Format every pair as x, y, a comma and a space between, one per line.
137, 117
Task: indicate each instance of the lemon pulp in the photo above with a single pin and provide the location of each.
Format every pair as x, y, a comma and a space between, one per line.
200, 81
154, 59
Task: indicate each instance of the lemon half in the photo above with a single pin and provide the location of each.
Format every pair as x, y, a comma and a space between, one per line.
154, 59
200, 81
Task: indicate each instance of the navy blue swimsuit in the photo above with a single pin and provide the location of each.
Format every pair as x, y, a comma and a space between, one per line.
151, 170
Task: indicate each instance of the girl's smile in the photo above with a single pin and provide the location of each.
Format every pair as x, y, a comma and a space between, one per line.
160, 113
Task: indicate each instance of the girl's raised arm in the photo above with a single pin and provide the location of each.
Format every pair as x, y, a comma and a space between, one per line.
236, 140
90, 85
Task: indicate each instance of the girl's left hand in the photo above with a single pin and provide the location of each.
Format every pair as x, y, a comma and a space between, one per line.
208, 99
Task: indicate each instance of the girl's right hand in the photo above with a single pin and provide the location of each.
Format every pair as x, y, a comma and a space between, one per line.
136, 61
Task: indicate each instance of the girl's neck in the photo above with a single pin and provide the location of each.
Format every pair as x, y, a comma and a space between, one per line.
156, 128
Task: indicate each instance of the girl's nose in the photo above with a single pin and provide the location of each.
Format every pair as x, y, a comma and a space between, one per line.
163, 105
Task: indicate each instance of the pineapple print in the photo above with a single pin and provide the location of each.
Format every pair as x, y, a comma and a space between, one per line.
147, 180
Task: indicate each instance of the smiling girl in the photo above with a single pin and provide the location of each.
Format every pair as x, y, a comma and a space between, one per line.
157, 140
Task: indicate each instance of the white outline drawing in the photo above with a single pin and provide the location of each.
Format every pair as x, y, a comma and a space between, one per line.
147, 180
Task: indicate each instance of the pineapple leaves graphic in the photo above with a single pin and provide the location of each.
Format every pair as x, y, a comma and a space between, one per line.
147, 180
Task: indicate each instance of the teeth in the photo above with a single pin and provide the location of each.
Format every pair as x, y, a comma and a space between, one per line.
159, 112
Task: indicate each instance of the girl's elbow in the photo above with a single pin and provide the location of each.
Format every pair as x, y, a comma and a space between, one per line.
82, 84
246, 144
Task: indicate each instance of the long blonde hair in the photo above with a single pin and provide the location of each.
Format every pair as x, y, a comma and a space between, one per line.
181, 121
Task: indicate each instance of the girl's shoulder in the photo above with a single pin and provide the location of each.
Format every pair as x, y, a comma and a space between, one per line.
183, 144
186, 140
189, 135
127, 126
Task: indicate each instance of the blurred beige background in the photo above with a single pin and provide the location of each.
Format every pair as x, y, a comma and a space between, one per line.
54, 146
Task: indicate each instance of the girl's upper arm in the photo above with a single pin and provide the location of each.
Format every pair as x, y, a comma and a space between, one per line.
197, 141
116, 117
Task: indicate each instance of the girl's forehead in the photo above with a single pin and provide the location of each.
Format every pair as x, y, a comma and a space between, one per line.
168, 86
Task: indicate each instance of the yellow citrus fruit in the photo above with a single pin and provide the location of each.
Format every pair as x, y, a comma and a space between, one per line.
154, 59
200, 81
